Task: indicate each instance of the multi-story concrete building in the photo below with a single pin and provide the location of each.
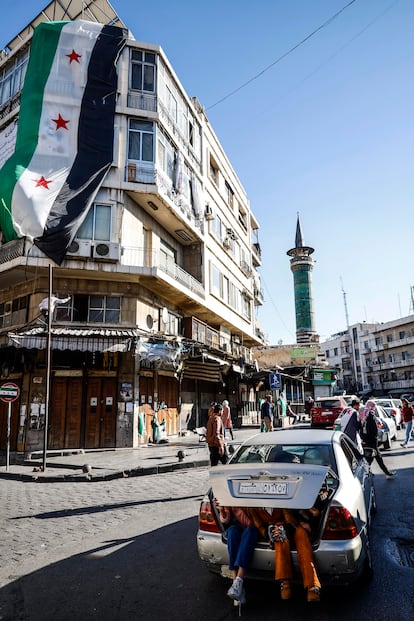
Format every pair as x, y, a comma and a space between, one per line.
162, 275
375, 358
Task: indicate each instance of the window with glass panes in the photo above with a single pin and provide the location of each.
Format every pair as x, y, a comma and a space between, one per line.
143, 71
104, 309
97, 224
93, 308
141, 140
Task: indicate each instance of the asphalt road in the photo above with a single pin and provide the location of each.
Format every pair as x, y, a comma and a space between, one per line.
125, 549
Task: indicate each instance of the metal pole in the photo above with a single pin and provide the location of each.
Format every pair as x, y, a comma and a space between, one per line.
48, 366
9, 412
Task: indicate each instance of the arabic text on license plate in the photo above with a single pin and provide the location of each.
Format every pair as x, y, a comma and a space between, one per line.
270, 487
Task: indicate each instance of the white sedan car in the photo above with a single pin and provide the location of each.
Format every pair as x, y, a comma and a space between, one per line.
291, 468
393, 407
387, 429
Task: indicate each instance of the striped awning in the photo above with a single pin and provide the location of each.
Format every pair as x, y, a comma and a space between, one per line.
202, 370
75, 339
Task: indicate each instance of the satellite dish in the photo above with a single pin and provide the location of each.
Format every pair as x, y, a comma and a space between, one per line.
150, 322
164, 315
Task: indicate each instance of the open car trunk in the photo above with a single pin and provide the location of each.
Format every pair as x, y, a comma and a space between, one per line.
275, 485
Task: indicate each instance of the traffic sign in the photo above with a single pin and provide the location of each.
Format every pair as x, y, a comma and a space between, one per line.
9, 392
275, 381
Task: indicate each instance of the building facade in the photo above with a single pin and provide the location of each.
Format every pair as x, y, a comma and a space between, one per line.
374, 359
162, 275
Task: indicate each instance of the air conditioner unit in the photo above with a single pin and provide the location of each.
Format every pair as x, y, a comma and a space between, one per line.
227, 243
80, 248
208, 213
108, 251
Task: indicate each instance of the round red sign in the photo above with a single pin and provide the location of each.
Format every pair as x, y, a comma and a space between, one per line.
9, 392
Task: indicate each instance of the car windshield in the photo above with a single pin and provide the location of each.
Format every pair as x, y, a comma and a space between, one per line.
328, 403
316, 454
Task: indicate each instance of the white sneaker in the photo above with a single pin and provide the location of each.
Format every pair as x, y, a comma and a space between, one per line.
236, 589
241, 601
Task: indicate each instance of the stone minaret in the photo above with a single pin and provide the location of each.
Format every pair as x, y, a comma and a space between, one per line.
301, 265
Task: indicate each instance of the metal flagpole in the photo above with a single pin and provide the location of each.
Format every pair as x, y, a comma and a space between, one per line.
48, 366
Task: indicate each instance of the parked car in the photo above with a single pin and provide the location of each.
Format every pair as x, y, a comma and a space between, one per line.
393, 407
325, 410
387, 429
280, 469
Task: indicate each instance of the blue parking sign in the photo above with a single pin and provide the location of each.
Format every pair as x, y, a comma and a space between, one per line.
275, 381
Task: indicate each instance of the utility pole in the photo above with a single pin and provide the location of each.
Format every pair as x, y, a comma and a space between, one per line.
48, 365
350, 336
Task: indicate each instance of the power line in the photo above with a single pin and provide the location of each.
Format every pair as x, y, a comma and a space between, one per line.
292, 49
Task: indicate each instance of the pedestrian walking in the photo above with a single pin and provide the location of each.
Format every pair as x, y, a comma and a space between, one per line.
266, 411
226, 418
350, 422
291, 414
282, 410
369, 436
215, 437
407, 416
309, 402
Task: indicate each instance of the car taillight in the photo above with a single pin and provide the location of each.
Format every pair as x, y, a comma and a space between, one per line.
339, 524
393, 412
206, 518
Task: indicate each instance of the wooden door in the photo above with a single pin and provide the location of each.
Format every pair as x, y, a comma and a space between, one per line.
100, 422
73, 413
57, 413
65, 413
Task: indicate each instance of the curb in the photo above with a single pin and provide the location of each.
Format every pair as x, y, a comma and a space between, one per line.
40, 477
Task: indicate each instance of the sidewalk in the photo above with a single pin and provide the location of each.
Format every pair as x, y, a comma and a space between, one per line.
180, 452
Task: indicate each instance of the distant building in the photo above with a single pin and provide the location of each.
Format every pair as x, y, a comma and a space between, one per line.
374, 359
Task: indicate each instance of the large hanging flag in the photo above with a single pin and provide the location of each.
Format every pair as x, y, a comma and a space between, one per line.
64, 143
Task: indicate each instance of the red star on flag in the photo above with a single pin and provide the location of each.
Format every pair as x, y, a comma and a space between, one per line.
60, 122
42, 182
73, 56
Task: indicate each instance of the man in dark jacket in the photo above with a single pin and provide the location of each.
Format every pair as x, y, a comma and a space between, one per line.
267, 411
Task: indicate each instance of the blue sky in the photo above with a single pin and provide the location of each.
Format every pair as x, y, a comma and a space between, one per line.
326, 132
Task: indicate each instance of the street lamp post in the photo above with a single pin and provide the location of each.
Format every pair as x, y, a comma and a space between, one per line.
48, 366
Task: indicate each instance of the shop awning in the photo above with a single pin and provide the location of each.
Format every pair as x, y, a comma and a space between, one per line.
75, 339
202, 370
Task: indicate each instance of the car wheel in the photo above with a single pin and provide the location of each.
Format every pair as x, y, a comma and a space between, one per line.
387, 443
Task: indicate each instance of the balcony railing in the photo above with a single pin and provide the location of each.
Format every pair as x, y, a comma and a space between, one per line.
12, 250
142, 101
139, 257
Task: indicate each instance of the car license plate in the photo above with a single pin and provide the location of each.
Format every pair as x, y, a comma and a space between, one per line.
270, 488
325, 413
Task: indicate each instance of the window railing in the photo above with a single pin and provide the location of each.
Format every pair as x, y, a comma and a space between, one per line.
142, 101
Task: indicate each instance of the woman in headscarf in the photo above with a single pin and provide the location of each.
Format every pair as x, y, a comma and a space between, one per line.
369, 436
